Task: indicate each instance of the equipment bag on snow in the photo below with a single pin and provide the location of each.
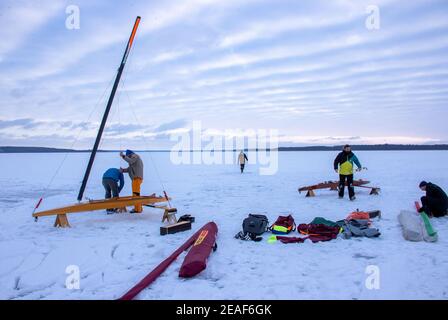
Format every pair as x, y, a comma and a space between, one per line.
364, 215
319, 232
413, 227
359, 228
253, 227
186, 217
196, 259
283, 225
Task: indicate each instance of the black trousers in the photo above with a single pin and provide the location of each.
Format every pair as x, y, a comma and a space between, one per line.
111, 187
434, 206
342, 181
242, 167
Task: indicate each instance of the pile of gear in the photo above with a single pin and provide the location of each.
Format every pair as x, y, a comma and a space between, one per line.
356, 224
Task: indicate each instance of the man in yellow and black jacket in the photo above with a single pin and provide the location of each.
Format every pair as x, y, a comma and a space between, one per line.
344, 165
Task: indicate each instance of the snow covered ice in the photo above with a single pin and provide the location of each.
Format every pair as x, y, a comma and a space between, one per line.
113, 252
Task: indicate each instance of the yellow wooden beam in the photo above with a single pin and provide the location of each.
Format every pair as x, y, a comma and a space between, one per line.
93, 205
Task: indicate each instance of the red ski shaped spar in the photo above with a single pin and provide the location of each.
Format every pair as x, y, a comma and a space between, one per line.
154, 274
196, 259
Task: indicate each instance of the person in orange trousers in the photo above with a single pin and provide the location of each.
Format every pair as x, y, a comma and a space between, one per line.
135, 171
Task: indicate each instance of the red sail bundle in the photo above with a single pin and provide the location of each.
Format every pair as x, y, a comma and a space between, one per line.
196, 259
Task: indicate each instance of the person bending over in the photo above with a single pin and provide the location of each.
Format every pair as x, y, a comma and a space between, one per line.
435, 203
113, 183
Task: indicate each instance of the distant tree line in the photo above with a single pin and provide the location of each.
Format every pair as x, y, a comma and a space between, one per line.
375, 147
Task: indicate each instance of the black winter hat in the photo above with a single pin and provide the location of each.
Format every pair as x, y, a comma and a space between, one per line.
423, 184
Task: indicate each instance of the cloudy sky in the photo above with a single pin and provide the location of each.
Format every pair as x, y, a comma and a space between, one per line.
310, 69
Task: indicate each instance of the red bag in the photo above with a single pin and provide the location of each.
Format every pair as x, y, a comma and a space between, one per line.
196, 259
283, 225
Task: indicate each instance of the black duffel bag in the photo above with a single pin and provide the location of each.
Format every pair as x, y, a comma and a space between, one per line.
253, 227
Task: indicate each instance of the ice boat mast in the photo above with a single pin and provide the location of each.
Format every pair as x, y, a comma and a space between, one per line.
108, 107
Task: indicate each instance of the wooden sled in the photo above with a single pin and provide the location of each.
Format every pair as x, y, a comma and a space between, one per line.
93, 205
333, 185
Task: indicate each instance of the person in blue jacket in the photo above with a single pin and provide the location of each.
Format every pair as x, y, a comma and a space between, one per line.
113, 182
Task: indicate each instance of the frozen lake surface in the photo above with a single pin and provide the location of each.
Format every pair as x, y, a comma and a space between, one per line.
114, 252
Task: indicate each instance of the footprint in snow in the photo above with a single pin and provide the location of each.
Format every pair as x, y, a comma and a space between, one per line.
362, 256
16, 283
112, 253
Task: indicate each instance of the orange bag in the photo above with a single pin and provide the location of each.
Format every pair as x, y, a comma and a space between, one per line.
358, 215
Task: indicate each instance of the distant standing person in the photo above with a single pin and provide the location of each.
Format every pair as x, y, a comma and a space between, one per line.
135, 171
242, 158
344, 165
435, 203
113, 182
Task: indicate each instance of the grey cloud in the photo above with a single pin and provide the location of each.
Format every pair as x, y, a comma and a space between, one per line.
176, 124
161, 136
82, 125
24, 123
28, 123
48, 101
123, 128
71, 125
18, 92
132, 128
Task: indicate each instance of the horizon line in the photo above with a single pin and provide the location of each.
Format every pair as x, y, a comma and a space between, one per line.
360, 147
